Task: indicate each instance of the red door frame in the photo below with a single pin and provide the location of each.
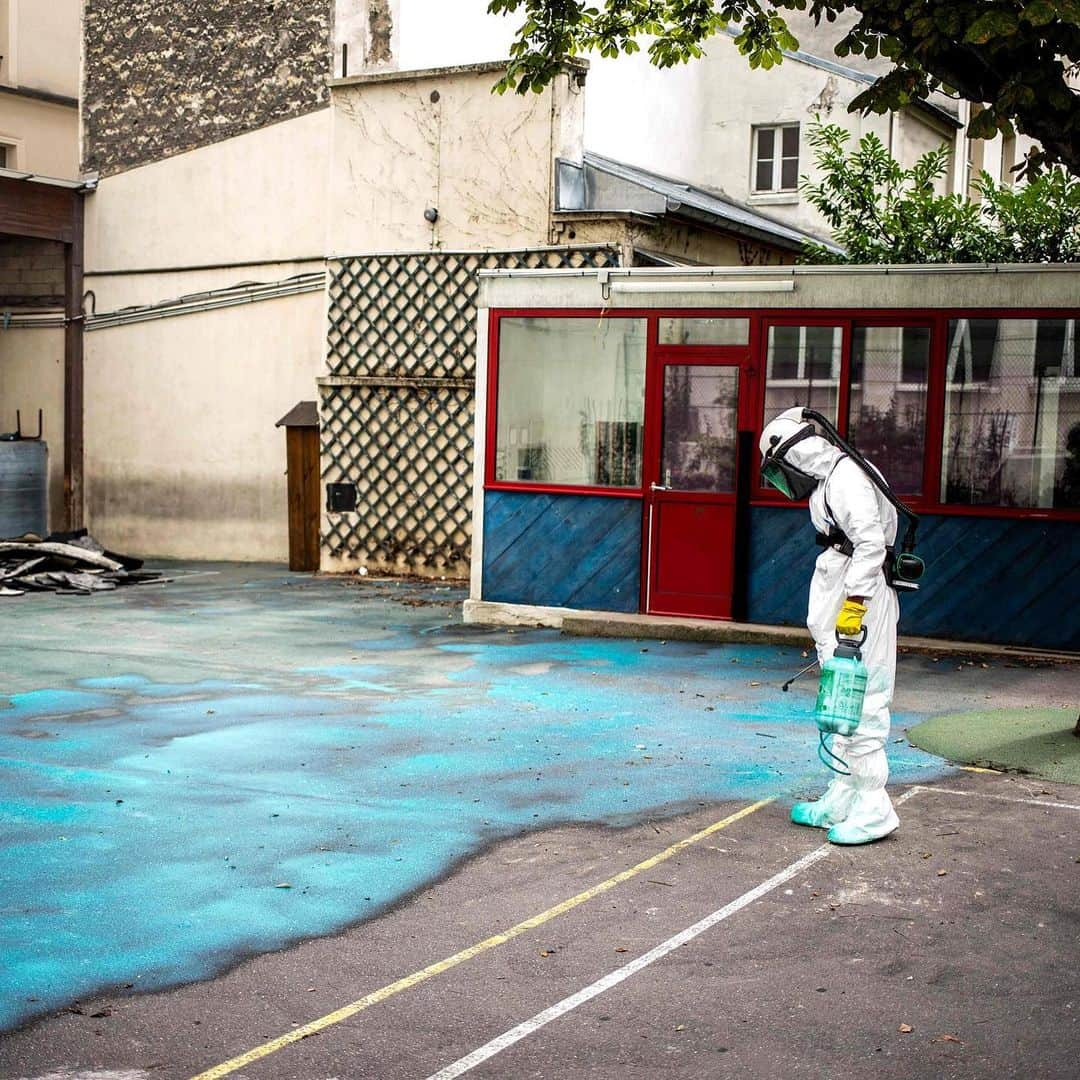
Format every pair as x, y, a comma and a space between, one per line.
740, 357
752, 390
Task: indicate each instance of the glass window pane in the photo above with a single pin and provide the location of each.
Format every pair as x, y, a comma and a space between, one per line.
764, 153
790, 143
783, 360
1012, 414
700, 427
802, 368
789, 174
887, 406
704, 331
571, 395
822, 352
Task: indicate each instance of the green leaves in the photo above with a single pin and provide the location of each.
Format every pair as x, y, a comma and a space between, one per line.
990, 25
883, 213
1012, 56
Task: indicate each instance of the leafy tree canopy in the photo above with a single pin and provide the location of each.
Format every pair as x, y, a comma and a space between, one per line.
1021, 58
881, 212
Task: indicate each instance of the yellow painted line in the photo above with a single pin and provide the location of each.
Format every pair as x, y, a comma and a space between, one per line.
979, 768
417, 977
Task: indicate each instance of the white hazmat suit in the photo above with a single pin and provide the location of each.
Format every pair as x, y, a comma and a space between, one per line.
856, 808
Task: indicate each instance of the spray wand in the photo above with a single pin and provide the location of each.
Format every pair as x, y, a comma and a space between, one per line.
799, 674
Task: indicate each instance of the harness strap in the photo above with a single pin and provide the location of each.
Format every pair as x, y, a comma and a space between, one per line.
835, 537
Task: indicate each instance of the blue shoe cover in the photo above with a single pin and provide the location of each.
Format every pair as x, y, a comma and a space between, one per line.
815, 814
852, 831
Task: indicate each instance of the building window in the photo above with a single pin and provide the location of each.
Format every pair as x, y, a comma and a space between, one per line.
802, 367
571, 399
776, 158
887, 403
1012, 414
1008, 159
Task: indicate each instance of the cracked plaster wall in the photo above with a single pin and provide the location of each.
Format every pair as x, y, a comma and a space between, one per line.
404, 145
165, 76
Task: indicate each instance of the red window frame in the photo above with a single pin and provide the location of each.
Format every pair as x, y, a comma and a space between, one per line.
929, 502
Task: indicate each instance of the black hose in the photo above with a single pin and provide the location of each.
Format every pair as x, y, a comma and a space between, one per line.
876, 478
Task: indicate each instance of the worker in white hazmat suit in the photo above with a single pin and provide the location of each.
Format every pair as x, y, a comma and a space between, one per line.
848, 593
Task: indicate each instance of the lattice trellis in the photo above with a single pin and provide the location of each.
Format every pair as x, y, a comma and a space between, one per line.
397, 412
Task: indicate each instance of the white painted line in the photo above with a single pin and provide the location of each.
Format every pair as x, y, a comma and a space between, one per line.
1000, 798
501, 1042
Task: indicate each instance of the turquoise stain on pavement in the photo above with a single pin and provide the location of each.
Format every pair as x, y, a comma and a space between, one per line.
151, 820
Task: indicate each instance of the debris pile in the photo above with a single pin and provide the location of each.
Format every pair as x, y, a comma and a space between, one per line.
71, 564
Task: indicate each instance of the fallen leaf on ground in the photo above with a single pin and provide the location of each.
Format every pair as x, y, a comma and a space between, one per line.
283, 885
681, 1027
620, 949
942, 873
547, 952
948, 1038
905, 1029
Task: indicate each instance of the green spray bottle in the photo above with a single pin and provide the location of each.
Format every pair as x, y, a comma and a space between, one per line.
841, 689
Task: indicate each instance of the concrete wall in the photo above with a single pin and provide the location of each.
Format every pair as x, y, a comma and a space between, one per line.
182, 457
32, 378
166, 76
404, 143
39, 55
42, 137
704, 115
43, 46
260, 196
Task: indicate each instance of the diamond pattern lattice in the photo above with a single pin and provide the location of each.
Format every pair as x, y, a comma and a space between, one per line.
416, 314
397, 419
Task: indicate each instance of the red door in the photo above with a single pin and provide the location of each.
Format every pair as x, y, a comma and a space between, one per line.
690, 483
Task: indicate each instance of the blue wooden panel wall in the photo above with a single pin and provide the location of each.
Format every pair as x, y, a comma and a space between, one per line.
1008, 581
575, 551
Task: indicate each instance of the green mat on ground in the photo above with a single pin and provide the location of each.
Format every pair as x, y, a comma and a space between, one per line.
1037, 741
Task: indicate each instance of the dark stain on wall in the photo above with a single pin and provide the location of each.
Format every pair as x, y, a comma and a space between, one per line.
381, 26
165, 76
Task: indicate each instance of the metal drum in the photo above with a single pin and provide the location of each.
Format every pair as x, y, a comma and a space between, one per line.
24, 487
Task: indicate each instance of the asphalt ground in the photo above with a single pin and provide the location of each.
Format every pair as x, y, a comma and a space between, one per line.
696, 944
947, 950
